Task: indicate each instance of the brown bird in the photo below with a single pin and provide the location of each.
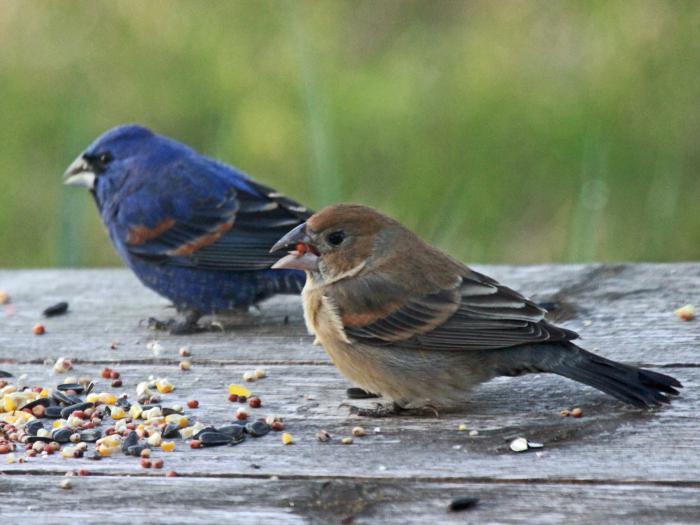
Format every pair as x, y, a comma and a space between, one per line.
401, 318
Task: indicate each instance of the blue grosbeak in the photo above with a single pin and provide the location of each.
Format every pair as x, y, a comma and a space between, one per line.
401, 318
194, 230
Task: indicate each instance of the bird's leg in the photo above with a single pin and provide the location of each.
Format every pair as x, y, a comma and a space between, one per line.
379, 410
185, 326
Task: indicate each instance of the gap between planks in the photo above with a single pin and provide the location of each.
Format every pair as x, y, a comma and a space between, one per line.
367, 479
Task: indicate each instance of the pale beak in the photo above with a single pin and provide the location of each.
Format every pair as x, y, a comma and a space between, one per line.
307, 261
80, 173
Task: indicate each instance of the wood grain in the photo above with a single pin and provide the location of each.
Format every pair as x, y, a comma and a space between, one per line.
614, 464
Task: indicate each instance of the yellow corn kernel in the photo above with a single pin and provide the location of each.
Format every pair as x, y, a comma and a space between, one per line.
117, 413
135, 411
177, 419
167, 446
44, 393
462, 427
106, 451
164, 387
238, 390
92, 398
10, 404
287, 438
107, 398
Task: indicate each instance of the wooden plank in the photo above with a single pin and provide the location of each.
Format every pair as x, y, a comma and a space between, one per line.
611, 441
248, 500
624, 311
613, 465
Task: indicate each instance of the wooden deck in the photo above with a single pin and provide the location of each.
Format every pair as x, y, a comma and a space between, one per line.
613, 465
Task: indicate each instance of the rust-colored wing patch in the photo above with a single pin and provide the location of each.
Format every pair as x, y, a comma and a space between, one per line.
202, 241
142, 234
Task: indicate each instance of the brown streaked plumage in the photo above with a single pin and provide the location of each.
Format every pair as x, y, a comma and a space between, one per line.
403, 319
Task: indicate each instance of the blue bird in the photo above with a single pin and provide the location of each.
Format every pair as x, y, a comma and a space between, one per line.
192, 229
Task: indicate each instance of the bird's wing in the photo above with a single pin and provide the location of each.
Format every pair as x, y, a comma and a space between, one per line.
202, 214
477, 313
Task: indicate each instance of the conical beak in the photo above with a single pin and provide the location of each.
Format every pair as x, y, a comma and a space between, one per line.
296, 260
80, 173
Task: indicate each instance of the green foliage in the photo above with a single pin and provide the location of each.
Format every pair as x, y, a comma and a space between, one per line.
503, 131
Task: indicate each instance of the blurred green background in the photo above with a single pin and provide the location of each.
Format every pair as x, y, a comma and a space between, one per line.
504, 131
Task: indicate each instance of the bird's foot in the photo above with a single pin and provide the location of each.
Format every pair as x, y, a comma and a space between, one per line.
392, 409
186, 326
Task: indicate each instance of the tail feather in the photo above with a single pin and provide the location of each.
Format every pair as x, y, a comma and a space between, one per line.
636, 386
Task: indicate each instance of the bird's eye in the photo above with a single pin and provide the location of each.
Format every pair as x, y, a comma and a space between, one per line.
336, 237
105, 158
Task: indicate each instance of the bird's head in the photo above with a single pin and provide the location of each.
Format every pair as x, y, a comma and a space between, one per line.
108, 157
340, 241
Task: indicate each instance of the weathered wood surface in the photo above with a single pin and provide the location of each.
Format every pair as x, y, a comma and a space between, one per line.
614, 464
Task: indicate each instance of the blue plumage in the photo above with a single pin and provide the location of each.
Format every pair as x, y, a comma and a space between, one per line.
194, 230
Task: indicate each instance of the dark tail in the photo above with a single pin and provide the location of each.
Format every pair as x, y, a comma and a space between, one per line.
636, 386
273, 282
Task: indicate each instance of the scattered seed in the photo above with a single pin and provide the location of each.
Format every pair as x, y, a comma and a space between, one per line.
185, 351
564, 413
145, 453
358, 431
39, 329
254, 402
473, 433
4, 297
346, 441
145, 463
62, 365
66, 484
193, 403
249, 377
287, 438
171, 474
195, 443
106, 373
260, 373
158, 463
462, 427
232, 398
686, 313
167, 446
277, 426
56, 309
185, 365
113, 374
241, 414
519, 445
463, 503
323, 435
577, 412
238, 390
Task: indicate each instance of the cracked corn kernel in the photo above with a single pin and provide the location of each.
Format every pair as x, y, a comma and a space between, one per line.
238, 390
167, 446
164, 386
686, 313
346, 441
565, 413
287, 438
118, 413
106, 398
358, 431
260, 373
